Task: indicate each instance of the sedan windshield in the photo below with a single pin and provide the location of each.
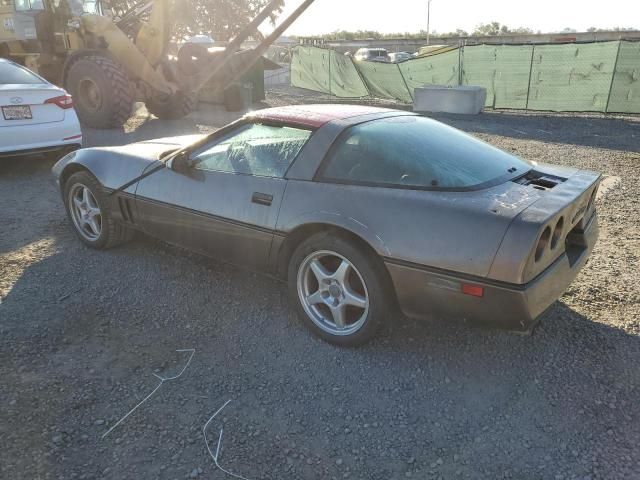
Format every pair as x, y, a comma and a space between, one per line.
418, 152
10, 73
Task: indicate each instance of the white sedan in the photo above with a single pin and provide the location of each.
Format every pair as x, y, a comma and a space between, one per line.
36, 116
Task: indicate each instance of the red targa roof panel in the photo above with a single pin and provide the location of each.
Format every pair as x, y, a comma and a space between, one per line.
313, 115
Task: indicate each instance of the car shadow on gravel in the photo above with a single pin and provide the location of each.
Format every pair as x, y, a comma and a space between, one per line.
25, 165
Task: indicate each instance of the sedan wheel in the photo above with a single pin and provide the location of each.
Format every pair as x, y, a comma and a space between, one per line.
340, 288
85, 212
333, 293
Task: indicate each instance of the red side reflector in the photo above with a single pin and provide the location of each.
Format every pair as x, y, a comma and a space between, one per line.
72, 138
473, 290
63, 101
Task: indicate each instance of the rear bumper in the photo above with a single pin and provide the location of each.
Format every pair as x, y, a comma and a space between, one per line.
426, 292
22, 139
64, 147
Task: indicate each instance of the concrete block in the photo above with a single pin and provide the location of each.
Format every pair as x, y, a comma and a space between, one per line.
468, 100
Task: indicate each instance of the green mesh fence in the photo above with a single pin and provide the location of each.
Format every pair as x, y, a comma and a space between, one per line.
574, 77
345, 79
326, 71
596, 77
503, 70
310, 69
441, 69
384, 80
625, 89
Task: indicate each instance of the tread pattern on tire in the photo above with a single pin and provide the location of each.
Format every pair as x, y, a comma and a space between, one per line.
178, 106
122, 98
117, 233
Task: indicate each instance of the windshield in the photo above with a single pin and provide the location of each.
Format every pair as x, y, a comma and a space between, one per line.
418, 152
377, 53
10, 73
26, 5
82, 7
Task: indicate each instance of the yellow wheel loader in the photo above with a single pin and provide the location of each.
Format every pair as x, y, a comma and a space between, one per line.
109, 60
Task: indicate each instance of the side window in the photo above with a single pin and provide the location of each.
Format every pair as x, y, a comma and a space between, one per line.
256, 149
362, 158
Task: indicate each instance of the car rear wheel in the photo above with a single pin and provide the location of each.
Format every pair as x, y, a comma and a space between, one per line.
88, 209
339, 290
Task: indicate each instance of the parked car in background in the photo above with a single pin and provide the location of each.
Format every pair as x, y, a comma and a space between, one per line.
398, 57
37, 117
358, 208
372, 55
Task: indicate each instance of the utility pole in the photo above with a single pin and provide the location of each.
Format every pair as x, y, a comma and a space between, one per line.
428, 19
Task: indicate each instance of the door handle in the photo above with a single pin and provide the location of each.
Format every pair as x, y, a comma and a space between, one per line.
262, 198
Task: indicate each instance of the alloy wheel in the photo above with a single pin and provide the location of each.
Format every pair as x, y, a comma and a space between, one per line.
333, 293
85, 212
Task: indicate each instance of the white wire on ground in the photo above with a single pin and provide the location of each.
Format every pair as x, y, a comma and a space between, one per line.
215, 456
162, 380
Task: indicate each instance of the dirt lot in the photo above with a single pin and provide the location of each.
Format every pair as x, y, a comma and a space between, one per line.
83, 332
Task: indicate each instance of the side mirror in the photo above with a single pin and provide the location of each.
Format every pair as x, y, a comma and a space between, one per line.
181, 163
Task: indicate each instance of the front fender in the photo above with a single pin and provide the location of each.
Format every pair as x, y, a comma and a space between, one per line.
113, 171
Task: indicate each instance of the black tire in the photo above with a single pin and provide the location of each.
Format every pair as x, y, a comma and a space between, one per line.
235, 99
371, 271
177, 106
4, 51
112, 233
113, 99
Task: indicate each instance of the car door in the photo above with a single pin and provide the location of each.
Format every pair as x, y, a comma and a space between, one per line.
226, 203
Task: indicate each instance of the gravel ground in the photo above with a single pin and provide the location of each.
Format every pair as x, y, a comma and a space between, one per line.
83, 332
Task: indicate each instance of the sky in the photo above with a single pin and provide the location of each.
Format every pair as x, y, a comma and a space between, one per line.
325, 16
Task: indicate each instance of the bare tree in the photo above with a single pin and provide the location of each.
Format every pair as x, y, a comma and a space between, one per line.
220, 19
493, 29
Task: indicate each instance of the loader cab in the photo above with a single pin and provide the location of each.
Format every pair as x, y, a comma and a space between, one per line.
83, 7
54, 18
70, 7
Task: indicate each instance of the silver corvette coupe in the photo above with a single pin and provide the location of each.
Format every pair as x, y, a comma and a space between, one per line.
360, 209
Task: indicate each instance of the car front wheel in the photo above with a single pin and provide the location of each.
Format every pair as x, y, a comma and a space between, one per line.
88, 209
339, 290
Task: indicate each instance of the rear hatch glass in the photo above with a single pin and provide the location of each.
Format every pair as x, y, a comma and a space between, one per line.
417, 152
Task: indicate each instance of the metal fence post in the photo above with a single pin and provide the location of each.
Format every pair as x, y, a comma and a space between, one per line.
460, 63
613, 77
330, 77
405, 82
362, 79
533, 51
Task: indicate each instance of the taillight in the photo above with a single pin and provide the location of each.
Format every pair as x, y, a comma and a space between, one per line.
542, 243
557, 233
63, 101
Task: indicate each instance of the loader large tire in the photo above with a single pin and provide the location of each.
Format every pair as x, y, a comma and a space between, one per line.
102, 93
178, 105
